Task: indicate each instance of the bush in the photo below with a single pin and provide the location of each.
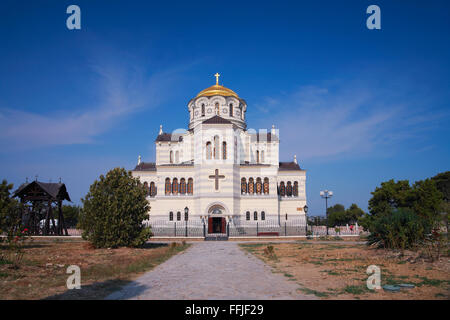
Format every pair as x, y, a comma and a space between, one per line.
114, 211
10, 209
401, 229
71, 215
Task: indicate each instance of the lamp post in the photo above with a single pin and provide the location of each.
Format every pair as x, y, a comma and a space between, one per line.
305, 208
326, 194
186, 212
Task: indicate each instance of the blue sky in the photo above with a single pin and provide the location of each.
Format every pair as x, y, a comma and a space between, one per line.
356, 106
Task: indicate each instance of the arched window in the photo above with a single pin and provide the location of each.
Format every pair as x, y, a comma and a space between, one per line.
282, 189
295, 189
255, 215
217, 109
171, 157
258, 186
208, 150
289, 189
186, 216
243, 186
190, 186
266, 186
216, 147
263, 215
247, 215
170, 216
251, 186
146, 188
257, 156
175, 186
177, 157
182, 186
168, 186
262, 156
203, 110
152, 189
178, 216
231, 109
224, 150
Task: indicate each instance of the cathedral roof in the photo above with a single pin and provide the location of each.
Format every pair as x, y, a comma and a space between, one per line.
168, 137
145, 166
288, 166
217, 120
217, 90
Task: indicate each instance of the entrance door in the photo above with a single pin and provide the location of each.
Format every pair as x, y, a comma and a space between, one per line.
216, 225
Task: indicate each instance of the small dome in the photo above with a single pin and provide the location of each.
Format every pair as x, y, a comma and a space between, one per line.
217, 90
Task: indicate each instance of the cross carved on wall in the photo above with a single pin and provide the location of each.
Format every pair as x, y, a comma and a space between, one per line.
216, 176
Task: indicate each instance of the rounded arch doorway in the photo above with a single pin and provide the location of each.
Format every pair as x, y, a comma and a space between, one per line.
216, 219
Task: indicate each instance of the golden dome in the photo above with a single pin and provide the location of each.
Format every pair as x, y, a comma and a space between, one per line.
217, 90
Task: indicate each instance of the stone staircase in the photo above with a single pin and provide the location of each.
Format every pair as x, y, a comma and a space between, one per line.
216, 237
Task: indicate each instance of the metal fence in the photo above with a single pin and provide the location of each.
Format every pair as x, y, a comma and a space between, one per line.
162, 228
178, 228
268, 228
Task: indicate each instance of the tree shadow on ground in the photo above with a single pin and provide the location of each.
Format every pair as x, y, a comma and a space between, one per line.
153, 245
97, 291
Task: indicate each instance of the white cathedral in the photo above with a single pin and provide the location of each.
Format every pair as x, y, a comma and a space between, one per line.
219, 172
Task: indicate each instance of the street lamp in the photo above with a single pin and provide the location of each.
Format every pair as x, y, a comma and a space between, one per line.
186, 212
326, 194
305, 208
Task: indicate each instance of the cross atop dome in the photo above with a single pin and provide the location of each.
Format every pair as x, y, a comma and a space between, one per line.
217, 75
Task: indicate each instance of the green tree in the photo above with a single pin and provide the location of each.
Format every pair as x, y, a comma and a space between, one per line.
9, 208
339, 216
71, 215
426, 200
114, 211
353, 213
336, 215
390, 195
442, 181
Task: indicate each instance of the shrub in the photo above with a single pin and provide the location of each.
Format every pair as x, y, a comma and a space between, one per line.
114, 211
270, 252
15, 241
10, 209
401, 229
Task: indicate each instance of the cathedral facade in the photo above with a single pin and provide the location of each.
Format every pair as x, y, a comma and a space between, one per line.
218, 171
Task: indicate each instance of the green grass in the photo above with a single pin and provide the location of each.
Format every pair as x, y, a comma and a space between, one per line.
319, 294
430, 282
332, 272
355, 289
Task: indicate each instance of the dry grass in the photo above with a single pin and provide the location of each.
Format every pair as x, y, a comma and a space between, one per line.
43, 271
338, 271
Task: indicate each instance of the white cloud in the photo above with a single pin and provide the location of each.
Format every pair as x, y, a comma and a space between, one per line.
347, 119
122, 91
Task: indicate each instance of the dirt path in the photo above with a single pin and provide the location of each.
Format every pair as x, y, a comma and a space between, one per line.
211, 270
